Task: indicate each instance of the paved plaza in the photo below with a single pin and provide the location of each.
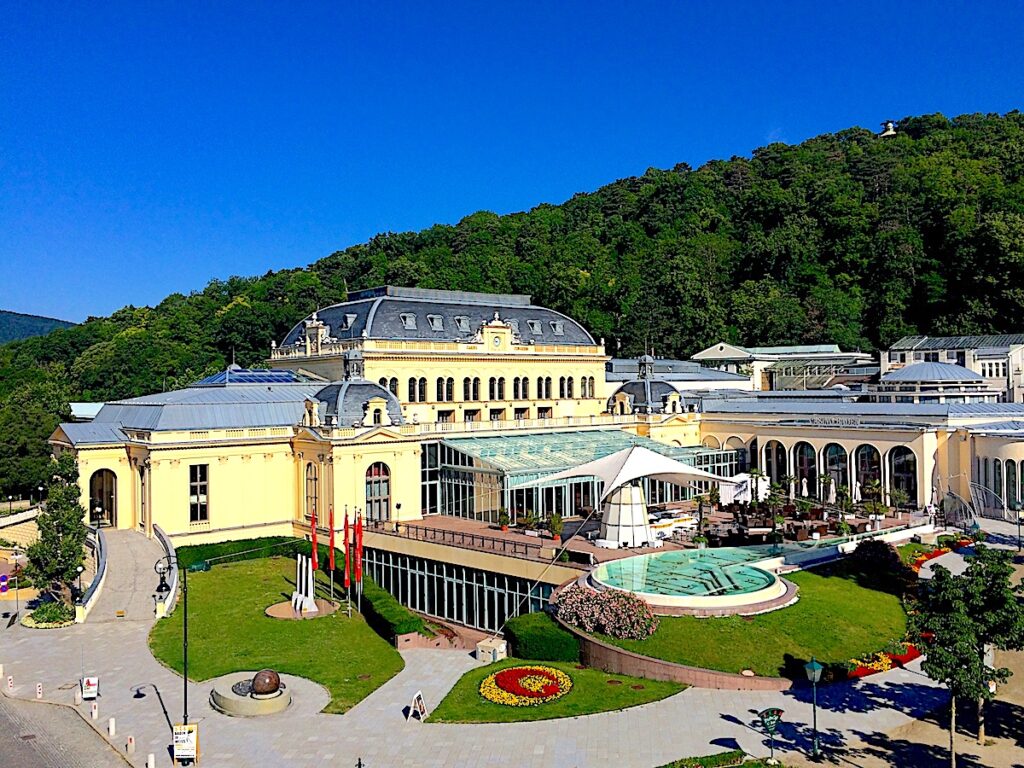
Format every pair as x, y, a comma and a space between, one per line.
146, 698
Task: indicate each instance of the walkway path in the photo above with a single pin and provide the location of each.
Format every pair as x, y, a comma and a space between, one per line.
145, 698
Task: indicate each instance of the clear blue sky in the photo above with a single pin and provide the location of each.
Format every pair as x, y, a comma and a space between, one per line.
148, 147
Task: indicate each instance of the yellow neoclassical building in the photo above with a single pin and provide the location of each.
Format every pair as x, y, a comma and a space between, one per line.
412, 406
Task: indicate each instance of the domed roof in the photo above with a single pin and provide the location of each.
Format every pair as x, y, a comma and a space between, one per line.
646, 395
392, 312
937, 372
346, 400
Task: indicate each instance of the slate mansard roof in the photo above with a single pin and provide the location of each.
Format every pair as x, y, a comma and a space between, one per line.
230, 405
397, 313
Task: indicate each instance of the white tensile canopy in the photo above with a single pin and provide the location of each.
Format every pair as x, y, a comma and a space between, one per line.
625, 466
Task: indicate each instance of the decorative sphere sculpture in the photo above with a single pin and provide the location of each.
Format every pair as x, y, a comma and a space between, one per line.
266, 682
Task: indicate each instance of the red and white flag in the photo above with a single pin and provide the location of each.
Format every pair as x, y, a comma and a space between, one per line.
359, 548
348, 543
330, 551
312, 527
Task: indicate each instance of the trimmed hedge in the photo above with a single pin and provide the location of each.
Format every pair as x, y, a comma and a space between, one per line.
385, 615
732, 757
537, 637
242, 549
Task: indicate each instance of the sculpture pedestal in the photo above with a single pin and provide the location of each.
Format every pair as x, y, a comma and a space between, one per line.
286, 611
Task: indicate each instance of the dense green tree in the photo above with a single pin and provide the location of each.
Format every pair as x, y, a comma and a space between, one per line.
53, 560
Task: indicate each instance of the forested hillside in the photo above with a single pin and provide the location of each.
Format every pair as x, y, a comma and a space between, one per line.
846, 238
15, 325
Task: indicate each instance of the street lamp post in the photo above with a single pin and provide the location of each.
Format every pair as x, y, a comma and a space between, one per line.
162, 567
80, 569
10, 504
40, 489
813, 669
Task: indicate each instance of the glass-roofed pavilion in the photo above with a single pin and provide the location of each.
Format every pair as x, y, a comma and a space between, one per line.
477, 477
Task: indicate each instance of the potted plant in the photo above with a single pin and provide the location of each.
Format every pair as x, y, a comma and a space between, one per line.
555, 525
715, 496
701, 541
503, 519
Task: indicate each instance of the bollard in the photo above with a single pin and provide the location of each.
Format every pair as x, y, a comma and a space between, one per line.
111, 730
95, 711
39, 690
151, 760
129, 748
10, 683
78, 696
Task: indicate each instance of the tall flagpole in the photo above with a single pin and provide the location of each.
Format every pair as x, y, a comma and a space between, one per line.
359, 560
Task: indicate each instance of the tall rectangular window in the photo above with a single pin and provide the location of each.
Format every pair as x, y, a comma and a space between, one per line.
198, 493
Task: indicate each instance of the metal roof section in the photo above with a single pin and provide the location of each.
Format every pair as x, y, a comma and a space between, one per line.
84, 411
1013, 428
627, 369
920, 343
931, 372
91, 433
529, 456
346, 401
391, 312
799, 349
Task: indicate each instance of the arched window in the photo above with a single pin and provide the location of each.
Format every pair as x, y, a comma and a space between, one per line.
547, 387
903, 469
383, 382
569, 387
515, 388
378, 417
561, 386
806, 461
868, 470
423, 390
501, 388
1012, 492
593, 392
997, 478
467, 388
312, 489
413, 385
449, 389
540, 387
393, 386
440, 390
378, 492
837, 465
476, 389
526, 388
775, 464
103, 497
492, 388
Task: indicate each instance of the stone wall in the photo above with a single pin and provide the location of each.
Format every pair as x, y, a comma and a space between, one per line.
20, 528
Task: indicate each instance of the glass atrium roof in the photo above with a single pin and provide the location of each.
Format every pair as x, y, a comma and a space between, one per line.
236, 375
542, 454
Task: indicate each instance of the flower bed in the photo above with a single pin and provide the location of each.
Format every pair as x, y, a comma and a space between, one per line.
898, 655
924, 557
525, 686
619, 614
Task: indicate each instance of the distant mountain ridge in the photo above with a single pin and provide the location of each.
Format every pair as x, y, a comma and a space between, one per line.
15, 325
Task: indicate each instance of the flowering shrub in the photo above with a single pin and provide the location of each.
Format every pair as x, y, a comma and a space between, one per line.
525, 686
896, 653
622, 615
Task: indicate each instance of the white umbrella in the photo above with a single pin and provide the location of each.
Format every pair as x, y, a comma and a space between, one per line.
856, 493
832, 493
803, 487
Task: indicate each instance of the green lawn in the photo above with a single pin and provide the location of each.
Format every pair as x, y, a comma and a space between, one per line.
228, 632
835, 620
911, 550
591, 692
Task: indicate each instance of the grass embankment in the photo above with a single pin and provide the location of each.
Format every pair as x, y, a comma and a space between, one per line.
228, 632
591, 692
835, 619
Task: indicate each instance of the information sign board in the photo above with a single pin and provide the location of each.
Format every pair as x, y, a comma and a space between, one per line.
186, 741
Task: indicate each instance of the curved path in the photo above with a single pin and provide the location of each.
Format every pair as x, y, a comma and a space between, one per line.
146, 698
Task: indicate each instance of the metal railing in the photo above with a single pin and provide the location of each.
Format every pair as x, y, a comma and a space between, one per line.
461, 539
97, 542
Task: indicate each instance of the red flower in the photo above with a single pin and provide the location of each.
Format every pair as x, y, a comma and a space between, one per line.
539, 682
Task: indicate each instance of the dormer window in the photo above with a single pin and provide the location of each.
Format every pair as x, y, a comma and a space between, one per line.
535, 327
462, 323
408, 321
558, 327
436, 322
514, 325
348, 321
